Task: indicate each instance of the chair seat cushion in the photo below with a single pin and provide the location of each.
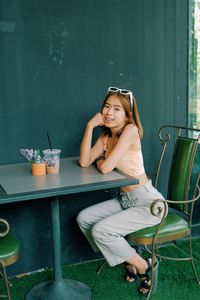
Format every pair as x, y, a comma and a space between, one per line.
9, 247
173, 227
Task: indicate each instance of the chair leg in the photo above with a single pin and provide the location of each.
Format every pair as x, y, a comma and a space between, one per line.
192, 260
101, 267
154, 276
4, 275
9, 283
155, 279
140, 249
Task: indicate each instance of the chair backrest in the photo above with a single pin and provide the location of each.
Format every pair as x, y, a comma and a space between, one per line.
181, 170
182, 162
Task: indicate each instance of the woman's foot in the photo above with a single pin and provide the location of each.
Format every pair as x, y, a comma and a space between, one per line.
145, 279
145, 286
131, 273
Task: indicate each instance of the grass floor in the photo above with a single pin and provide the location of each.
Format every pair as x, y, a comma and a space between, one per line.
176, 279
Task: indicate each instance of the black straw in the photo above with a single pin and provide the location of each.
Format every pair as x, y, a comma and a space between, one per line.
49, 141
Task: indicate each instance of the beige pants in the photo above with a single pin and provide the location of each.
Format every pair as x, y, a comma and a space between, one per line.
106, 224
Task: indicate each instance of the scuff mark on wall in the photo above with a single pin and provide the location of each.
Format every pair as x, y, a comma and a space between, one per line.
58, 44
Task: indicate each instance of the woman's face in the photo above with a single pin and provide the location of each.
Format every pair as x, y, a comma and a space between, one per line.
113, 113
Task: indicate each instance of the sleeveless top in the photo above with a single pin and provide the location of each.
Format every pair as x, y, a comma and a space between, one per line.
131, 163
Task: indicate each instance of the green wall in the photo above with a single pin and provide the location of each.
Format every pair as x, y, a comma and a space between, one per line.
57, 59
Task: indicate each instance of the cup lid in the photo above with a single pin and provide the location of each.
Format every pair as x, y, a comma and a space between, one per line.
53, 151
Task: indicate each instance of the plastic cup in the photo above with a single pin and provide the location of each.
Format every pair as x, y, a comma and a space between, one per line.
52, 159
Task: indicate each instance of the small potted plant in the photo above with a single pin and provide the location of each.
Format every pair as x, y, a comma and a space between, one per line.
38, 163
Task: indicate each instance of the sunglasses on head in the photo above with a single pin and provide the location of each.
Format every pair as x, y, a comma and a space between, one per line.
114, 89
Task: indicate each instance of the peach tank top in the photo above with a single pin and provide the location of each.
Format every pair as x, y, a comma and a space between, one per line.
131, 163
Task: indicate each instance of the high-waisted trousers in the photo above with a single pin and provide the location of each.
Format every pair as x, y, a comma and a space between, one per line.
106, 224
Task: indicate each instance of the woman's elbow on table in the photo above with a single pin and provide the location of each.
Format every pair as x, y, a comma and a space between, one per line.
104, 171
83, 164
103, 168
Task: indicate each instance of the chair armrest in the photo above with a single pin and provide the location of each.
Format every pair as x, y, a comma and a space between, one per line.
4, 229
159, 207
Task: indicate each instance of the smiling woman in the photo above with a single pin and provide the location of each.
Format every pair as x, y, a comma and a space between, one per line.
113, 114
106, 224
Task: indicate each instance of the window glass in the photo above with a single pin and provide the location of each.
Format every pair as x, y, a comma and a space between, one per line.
194, 65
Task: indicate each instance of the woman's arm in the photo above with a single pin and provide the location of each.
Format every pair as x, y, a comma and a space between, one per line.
128, 137
88, 153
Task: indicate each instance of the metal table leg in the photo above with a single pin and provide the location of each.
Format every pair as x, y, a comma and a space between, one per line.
59, 288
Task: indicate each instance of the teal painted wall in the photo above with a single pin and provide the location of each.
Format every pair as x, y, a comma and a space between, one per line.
60, 58
57, 59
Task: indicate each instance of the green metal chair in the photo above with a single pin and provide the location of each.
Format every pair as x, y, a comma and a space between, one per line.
9, 253
178, 222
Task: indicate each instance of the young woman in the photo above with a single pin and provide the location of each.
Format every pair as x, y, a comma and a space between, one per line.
119, 146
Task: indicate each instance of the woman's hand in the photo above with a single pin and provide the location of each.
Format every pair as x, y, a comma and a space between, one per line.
88, 153
97, 120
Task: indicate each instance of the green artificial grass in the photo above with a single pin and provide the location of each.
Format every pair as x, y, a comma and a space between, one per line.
176, 279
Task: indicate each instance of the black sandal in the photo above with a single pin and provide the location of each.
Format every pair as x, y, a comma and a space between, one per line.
130, 274
145, 282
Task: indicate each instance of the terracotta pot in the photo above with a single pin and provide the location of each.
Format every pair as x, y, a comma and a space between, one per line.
39, 169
